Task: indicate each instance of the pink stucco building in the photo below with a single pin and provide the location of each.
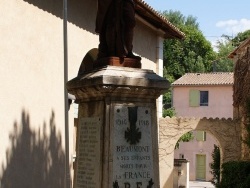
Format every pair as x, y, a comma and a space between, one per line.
202, 95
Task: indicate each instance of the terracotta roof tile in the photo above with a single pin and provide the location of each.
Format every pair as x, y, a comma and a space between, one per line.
215, 78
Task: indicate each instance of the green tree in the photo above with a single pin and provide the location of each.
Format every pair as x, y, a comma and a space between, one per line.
225, 47
193, 54
178, 19
241, 36
169, 112
235, 174
184, 138
215, 166
222, 62
167, 97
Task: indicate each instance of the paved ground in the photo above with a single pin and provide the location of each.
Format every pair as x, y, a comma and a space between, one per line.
200, 184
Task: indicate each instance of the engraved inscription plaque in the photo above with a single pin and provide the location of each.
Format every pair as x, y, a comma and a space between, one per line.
88, 155
132, 157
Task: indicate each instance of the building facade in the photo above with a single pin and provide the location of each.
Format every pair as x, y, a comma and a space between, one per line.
201, 95
32, 73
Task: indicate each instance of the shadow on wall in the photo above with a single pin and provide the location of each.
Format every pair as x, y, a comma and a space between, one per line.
34, 159
79, 12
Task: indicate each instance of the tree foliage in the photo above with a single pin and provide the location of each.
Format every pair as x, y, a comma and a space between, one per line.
184, 138
169, 112
215, 166
241, 36
225, 47
193, 54
235, 174
222, 62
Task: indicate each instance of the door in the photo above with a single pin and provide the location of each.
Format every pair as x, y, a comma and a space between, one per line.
200, 167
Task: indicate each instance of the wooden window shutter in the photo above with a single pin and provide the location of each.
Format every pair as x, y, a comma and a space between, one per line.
200, 135
194, 98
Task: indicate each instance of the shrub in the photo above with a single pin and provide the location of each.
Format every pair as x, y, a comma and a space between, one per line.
215, 166
170, 112
235, 174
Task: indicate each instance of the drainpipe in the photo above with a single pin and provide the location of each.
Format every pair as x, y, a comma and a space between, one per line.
159, 71
65, 45
159, 64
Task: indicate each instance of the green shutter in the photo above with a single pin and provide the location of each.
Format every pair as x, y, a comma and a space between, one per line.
194, 98
200, 135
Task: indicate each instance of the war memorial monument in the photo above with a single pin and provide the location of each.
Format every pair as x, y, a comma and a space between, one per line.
117, 133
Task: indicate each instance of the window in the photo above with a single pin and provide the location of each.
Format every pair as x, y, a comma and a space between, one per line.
203, 98
198, 98
201, 136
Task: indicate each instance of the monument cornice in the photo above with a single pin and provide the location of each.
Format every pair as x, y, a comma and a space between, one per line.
112, 81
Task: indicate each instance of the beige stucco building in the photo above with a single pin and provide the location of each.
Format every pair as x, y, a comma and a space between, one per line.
32, 73
201, 95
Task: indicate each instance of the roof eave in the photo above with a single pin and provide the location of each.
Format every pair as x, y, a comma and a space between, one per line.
157, 20
240, 48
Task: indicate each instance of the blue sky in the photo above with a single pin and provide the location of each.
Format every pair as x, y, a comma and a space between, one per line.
215, 17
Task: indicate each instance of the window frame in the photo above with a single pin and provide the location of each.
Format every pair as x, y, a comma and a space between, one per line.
198, 98
204, 98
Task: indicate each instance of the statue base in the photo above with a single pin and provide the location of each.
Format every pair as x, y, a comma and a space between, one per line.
117, 61
117, 131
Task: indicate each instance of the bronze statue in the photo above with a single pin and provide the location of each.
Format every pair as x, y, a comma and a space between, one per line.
115, 24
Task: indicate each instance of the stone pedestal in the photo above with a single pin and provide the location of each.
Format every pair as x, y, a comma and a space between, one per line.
117, 134
119, 62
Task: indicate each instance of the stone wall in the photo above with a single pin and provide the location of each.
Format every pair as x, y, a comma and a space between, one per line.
241, 96
241, 80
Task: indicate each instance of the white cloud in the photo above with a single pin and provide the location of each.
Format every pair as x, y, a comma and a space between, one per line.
234, 26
